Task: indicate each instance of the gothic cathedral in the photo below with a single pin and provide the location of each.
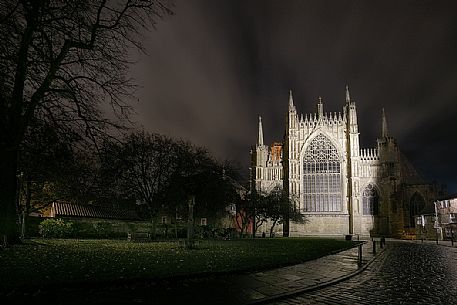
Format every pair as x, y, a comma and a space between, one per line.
340, 188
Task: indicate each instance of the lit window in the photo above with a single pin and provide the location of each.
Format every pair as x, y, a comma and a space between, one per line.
203, 222
370, 201
453, 218
164, 219
415, 207
322, 177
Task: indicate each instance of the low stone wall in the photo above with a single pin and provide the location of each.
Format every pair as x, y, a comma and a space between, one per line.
321, 225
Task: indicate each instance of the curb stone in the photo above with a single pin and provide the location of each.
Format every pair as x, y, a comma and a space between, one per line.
318, 286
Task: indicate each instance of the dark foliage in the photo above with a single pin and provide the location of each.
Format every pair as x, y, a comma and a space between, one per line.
59, 61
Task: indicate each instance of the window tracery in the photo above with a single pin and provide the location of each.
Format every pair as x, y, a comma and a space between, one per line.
416, 206
322, 177
370, 200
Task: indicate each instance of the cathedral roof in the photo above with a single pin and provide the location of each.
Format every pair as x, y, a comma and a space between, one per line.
409, 174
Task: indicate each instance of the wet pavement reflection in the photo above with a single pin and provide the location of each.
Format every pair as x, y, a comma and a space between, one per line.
408, 273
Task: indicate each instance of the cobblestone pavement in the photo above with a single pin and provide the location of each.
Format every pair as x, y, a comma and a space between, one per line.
407, 273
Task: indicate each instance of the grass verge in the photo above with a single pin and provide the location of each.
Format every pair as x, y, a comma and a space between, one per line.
42, 262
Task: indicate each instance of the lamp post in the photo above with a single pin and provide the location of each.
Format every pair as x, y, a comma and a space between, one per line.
451, 223
452, 237
190, 219
20, 208
422, 227
436, 226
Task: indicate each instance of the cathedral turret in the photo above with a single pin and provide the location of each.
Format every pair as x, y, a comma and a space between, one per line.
348, 97
292, 115
261, 149
259, 159
320, 109
352, 153
289, 155
385, 131
386, 143
260, 140
291, 101
351, 113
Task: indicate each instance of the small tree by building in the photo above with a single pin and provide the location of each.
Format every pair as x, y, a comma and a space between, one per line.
278, 206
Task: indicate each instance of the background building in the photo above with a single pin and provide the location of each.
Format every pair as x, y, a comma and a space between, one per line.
446, 217
341, 188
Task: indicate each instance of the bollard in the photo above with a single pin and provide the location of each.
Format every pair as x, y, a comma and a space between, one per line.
374, 247
359, 258
452, 237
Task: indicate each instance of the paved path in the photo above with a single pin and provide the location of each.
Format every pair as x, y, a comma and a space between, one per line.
257, 287
407, 273
281, 282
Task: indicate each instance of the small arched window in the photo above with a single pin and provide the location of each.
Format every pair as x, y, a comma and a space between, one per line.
370, 200
416, 205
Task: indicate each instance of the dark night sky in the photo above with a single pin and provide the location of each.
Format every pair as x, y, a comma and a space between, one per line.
214, 66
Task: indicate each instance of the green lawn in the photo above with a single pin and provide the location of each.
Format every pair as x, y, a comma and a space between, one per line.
47, 261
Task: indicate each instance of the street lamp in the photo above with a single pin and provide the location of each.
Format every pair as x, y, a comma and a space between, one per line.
190, 219
436, 225
422, 224
451, 222
22, 209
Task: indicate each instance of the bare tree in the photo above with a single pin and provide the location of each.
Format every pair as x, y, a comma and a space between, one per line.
59, 61
143, 166
162, 173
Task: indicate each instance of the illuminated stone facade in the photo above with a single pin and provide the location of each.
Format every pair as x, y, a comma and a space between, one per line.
341, 188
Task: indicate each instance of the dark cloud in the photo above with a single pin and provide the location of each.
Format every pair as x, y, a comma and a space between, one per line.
216, 65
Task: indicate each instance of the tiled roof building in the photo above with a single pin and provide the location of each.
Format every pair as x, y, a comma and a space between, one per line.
65, 209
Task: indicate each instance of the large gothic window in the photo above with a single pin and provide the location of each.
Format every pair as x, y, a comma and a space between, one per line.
416, 205
370, 200
321, 177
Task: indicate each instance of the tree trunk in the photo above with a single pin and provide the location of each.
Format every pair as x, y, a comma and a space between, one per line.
254, 227
286, 222
176, 223
153, 220
28, 194
243, 227
272, 228
154, 227
26, 211
9, 232
257, 225
238, 218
